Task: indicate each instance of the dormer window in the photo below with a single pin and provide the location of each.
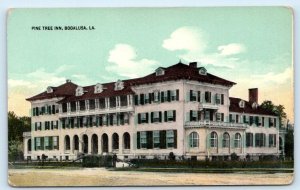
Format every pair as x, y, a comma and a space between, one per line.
202, 71
242, 104
49, 89
254, 105
79, 91
119, 85
98, 88
159, 72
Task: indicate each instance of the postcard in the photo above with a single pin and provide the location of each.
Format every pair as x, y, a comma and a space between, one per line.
150, 96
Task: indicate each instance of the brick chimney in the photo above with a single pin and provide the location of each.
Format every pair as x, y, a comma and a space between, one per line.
253, 95
193, 64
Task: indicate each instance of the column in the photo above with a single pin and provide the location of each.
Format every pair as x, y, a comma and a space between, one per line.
71, 145
80, 144
109, 143
121, 144
99, 144
89, 144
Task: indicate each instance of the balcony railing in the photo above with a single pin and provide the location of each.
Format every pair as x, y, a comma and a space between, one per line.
208, 106
192, 124
97, 111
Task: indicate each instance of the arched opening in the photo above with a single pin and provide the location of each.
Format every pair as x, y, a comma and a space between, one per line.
67, 142
115, 141
126, 139
29, 145
76, 142
213, 140
95, 144
226, 140
237, 140
85, 143
104, 142
193, 140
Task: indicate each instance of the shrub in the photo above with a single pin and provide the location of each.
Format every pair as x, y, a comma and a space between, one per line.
234, 157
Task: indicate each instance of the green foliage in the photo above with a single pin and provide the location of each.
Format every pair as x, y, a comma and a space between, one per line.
234, 157
289, 144
15, 151
278, 110
16, 126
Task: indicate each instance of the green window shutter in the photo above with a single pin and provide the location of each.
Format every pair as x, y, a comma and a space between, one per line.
160, 116
165, 116
169, 96
177, 95
162, 97
151, 117
149, 136
150, 98
187, 97
208, 140
136, 100
187, 116
147, 117
174, 115
199, 96
175, 138
162, 140
138, 145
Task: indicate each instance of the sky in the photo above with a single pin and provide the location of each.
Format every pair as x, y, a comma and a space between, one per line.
251, 46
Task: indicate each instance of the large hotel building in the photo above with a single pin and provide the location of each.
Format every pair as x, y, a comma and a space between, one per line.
180, 109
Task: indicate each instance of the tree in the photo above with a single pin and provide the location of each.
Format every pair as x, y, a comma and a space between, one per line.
277, 110
289, 144
16, 126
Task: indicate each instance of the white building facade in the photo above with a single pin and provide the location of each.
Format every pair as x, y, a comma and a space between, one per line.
180, 109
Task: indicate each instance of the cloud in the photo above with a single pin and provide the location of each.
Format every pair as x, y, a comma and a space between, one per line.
277, 78
17, 83
231, 49
185, 38
194, 42
124, 62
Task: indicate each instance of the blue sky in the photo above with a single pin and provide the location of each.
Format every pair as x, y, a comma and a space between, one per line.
250, 46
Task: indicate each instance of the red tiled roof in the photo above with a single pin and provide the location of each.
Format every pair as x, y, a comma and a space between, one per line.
63, 90
174, 72
234, 107
181, 71
108, 91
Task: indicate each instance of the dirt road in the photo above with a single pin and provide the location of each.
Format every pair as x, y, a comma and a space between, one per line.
103, 177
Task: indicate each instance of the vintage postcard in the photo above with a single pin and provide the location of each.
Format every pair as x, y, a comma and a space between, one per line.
150, 96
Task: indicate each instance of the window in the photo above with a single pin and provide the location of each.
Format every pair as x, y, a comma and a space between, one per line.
123, 101
237, 140
170, 138
82, 105
73, 106
226, 140
249, 140
207, 115
102, 103
213, 140
156, 96
156, 116
193, 95
112, 102
55, 142
208, 97
245, 119
142, 118
242, 104
79, 91
173, 95
194, 139
38, 143
219, 116
143, 139
159, 72
146, 97
222, 99
260, 140
170, 115
272, 140
202, 71
193, 115
218, 98
156, 142
98, 88
92, 104
119, 85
